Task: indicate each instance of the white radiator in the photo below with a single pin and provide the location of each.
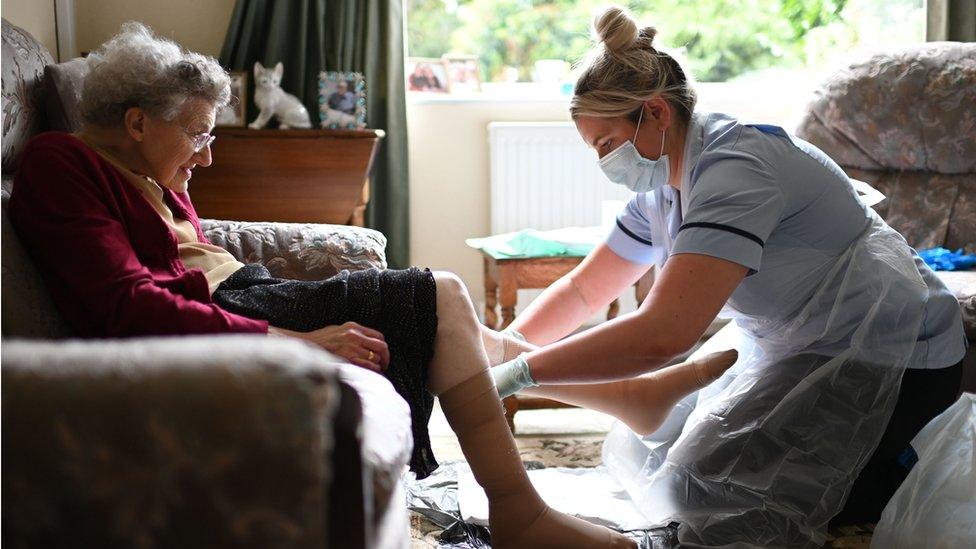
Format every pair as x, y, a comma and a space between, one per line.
544, 177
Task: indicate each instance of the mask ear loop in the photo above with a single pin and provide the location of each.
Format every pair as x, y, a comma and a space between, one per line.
664, 132
639, 119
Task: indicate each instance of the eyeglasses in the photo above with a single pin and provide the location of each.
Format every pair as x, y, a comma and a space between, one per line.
199, 141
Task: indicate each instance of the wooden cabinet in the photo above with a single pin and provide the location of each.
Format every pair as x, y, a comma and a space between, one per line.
315, 176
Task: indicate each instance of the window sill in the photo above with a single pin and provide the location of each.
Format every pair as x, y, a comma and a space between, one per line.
772, 98
497, 92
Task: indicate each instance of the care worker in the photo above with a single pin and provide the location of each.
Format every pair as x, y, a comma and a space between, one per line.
847, 342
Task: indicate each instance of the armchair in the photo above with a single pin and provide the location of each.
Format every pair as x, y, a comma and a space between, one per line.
903, 121
243, 441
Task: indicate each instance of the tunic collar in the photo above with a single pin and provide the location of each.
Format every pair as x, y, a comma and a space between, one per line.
694, 139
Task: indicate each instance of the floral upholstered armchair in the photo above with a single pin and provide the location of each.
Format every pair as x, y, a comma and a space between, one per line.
904, 120
220, 441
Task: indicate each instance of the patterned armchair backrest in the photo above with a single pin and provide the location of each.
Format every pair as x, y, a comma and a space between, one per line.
905, 121
909, 109
23, 65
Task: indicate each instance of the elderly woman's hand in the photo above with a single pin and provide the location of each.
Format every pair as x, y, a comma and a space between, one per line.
358, 344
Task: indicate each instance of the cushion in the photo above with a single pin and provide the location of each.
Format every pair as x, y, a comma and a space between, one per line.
961, 232
929, 209
300, 251
62, 94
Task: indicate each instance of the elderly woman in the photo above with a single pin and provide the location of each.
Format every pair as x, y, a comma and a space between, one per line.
106, 214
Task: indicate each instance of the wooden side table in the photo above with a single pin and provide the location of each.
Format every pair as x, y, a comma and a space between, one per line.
503, 279
302, 176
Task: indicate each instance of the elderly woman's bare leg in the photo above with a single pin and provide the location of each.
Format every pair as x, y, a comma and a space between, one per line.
642, 403
459, 376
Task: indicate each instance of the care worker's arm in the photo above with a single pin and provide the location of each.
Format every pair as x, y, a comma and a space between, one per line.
566, 304
686, 297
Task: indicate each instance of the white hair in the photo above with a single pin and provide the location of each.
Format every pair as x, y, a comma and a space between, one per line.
136, 68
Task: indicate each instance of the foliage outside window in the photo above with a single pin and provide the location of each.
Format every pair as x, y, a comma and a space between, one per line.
720, 39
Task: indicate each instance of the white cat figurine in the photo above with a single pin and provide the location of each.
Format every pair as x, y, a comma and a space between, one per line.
274, 101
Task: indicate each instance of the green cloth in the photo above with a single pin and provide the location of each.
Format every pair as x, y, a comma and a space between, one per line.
366, 36
530, 243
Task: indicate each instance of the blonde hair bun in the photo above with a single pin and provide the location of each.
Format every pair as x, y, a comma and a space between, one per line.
616, 28
623, 69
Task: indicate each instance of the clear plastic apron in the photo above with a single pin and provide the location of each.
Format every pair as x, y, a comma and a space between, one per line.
766, 455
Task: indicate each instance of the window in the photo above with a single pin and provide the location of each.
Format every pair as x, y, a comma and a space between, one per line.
754, 44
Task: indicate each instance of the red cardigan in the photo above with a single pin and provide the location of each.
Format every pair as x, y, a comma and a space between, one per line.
110, 262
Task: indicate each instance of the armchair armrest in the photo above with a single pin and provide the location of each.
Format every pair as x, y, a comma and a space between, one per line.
222, 441
299, 251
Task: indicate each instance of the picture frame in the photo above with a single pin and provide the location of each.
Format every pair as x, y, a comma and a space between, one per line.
342, 100
234, 114
463, 72
427, 75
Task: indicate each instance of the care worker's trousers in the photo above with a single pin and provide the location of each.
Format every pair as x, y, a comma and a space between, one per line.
924, 394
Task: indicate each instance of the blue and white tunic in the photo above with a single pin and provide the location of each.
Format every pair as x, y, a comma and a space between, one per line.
757, 196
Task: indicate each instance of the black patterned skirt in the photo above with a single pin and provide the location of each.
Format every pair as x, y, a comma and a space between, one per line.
401, 304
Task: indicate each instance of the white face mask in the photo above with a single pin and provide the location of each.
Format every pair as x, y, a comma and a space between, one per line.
625, 166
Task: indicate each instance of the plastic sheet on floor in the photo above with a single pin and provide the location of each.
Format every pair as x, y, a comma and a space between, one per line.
451, 493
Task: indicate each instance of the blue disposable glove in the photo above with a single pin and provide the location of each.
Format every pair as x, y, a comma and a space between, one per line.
512, 376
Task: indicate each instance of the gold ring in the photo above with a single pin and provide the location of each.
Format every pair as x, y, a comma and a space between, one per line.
371, 355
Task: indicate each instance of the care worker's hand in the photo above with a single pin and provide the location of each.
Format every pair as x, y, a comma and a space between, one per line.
512, 376
358, 344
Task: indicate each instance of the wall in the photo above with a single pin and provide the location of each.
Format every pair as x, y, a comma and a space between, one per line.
197, 25
449, 177
36, 17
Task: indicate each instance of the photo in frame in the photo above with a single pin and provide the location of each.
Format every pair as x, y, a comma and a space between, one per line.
342, 100
463, 73
234, 114
427, 75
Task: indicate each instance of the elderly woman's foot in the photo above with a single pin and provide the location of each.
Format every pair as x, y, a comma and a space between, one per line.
711, 366
552, 530
651, 397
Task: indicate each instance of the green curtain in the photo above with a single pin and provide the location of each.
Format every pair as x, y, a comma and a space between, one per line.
365, 36
953, 20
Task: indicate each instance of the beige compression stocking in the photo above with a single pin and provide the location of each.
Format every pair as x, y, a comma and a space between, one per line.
460, 378
518, 517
